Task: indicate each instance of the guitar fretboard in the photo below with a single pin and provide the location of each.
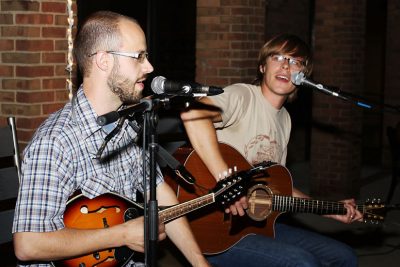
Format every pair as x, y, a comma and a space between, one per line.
178, 210
293, 204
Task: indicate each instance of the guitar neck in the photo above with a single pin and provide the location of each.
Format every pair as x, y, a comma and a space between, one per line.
304, 205
181, 209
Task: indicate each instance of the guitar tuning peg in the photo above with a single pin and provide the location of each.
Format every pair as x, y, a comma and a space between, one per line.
225, 174
235, 169
230, 171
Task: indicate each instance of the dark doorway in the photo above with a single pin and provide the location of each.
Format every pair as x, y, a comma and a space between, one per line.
170, 28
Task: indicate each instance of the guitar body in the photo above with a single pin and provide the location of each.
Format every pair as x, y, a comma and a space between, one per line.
101, 212
214, 230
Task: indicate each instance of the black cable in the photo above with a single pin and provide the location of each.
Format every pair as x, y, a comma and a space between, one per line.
109, 136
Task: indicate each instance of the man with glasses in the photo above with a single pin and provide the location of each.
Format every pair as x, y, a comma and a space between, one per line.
60, 160
254, 122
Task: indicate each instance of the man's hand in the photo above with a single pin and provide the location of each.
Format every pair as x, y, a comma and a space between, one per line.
238, 208
134, 234
351, 215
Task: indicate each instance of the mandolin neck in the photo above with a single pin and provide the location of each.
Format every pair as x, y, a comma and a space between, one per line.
181, 209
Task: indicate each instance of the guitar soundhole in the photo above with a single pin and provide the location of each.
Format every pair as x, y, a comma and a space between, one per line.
259, 202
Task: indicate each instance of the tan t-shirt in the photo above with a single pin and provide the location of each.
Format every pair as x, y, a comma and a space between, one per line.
252, 125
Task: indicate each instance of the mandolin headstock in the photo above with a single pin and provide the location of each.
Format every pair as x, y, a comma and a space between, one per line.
236, 184
230, 188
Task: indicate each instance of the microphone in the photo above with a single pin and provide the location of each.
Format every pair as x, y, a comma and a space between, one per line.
298, 78
160, 85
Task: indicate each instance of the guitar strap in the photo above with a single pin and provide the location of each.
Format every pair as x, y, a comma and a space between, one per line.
175, 165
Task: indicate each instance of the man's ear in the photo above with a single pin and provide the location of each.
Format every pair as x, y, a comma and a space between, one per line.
103, 60
262, 68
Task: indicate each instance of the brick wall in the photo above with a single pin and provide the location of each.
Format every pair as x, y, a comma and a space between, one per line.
336, 134
229, 36
32, 62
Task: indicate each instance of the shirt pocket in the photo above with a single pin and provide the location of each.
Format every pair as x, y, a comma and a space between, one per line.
98, 184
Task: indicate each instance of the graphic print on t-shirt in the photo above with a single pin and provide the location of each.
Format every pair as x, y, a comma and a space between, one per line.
261, 148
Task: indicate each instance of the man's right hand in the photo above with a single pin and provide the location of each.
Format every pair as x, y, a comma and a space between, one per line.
238, 208
134, 234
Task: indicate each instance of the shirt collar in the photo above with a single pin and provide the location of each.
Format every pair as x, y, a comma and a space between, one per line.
84, 114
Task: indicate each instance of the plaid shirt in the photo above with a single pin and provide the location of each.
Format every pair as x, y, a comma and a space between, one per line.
60, 159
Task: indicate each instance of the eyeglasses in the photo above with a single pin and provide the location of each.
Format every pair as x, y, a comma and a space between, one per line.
140, 56
295, 64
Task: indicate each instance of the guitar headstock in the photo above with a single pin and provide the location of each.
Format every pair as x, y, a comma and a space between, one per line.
374, 211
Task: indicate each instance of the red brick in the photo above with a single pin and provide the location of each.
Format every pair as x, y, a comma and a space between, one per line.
7, 96
219, 62
61, 20
234, 2
19, 6
20, 31
6, 71
242, 11
46, 19
7, 45
54, 7
36, 71
35, 97
51, 108
208, 3
21, 84
6, 19
3, 121
25, 58
212, 11
208, 20
20, 109
34, 45
54, 57
30, 123
61, 96
55, 32
24, 136
61, 45
60, 70
54, 83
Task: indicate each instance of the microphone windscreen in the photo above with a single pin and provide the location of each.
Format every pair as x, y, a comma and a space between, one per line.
297, 78
157, 85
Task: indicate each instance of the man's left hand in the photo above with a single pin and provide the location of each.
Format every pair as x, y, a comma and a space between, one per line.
351, 215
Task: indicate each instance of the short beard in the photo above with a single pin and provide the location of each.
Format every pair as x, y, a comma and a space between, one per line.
123, 87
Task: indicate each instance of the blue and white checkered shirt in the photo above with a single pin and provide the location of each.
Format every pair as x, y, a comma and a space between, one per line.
61, 158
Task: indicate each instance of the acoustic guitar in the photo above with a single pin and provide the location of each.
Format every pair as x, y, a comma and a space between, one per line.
112, 209
269, 194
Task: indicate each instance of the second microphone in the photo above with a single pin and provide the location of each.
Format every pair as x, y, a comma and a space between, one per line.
160, 85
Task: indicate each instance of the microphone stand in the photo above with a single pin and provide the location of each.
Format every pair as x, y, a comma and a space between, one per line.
150, 146
359, 101
151, 216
